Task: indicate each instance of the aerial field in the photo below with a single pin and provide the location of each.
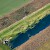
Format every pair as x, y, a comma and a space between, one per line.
4, 47
8, 5
14, 22
24, 24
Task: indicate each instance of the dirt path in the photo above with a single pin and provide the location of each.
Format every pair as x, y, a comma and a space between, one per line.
22, 12
37, 41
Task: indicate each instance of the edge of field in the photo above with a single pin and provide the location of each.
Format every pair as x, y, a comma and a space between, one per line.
13, 10
23, 24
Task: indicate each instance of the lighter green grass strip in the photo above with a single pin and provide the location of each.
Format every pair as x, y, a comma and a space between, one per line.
23, 24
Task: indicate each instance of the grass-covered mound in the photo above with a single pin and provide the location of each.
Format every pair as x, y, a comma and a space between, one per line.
25, 23
4, 47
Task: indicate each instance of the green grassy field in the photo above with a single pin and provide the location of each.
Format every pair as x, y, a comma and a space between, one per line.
4, 47
23, 24
7, 6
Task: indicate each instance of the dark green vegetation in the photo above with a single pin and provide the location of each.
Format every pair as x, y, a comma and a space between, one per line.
4, 47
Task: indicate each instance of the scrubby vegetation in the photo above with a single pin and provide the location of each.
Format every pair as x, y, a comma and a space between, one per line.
22, 25
4, 47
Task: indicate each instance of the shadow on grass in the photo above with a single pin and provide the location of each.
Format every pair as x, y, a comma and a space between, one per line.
45, 22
